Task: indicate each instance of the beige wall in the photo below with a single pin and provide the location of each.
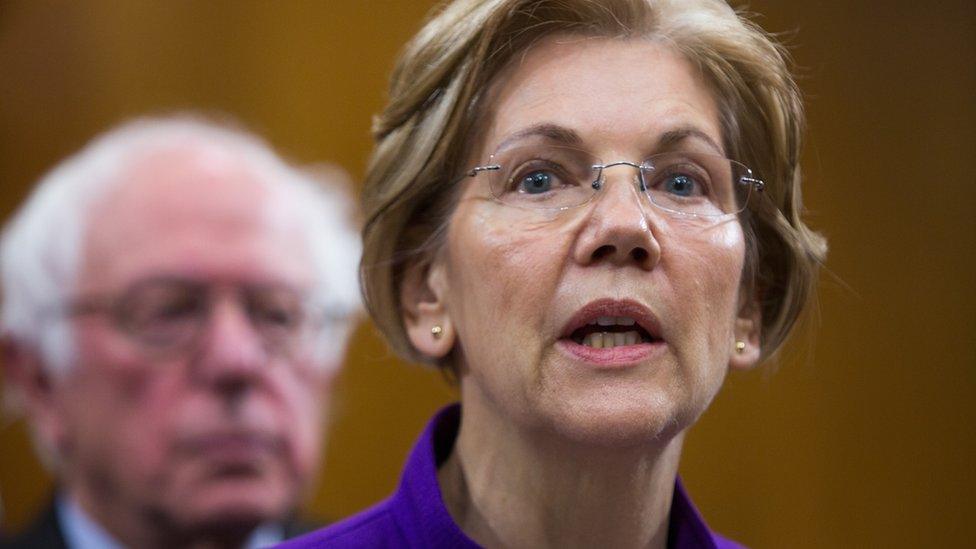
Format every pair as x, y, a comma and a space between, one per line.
868, 440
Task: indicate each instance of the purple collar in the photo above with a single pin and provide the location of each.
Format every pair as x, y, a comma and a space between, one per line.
415, 515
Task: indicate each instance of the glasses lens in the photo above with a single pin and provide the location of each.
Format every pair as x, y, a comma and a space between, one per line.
163, 314
278, 315
168, 316
548, 177
543, 177
696, 184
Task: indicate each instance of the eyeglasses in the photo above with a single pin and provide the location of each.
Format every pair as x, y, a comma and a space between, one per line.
168, 316
549, 177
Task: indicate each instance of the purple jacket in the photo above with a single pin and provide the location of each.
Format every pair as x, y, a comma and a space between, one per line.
415, 515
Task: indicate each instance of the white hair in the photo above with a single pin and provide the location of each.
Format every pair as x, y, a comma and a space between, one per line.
40, 246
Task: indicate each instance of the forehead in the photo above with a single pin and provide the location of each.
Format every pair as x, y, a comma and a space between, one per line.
198, 213
617, 94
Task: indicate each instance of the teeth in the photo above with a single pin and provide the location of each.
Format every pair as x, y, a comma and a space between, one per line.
608, 340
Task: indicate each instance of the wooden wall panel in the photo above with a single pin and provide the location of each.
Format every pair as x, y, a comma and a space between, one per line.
863, 436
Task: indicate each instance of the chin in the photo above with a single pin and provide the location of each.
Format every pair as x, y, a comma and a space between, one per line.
644, 406
244, 503
621, 419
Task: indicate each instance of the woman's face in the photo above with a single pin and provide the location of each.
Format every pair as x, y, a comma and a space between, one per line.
521, 293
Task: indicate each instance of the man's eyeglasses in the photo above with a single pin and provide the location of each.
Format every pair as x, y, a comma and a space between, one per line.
168, 316
550, 177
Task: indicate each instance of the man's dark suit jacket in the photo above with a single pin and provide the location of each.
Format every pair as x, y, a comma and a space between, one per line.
45, 532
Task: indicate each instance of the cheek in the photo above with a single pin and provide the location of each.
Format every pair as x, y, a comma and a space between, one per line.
298, 399
707, 268
502, 271
121, 418
504, 274
724, 268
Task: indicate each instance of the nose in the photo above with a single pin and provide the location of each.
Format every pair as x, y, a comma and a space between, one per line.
618, 230
231, 355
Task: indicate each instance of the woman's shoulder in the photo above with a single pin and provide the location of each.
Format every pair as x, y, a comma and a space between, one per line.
725, 543
373, 527
414, 515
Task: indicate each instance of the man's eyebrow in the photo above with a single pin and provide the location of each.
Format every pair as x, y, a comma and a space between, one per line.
672, 137
552, 132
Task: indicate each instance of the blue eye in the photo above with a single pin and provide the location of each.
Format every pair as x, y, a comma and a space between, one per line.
681, 185
536, 182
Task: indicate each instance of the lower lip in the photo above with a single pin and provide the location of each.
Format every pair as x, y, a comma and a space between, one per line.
613, 357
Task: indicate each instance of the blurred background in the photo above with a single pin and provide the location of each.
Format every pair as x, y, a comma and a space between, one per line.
862, 436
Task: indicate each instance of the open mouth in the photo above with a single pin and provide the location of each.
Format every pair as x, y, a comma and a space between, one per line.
606, 332
608, 323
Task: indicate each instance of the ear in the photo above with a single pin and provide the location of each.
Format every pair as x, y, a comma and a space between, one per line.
31, 388
422, 300
746, 345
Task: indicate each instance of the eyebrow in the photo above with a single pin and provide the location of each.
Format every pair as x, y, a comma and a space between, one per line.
552, 132
565, 136
672, 137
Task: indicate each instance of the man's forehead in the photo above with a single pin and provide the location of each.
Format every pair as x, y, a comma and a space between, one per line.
185, 210
176, 174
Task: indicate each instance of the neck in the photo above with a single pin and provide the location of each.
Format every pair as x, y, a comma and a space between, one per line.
505, 486
132, 527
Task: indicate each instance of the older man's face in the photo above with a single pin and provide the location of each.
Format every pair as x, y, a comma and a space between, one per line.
225, 427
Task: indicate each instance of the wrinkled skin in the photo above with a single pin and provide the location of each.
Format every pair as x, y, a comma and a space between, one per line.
508, 279
217, 439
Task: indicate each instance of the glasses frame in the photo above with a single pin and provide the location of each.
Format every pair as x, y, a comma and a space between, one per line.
756, 184
113, 307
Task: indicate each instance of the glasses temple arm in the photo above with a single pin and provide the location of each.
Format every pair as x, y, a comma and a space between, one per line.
758, 184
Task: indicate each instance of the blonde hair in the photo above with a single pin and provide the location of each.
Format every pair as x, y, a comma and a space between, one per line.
437, 93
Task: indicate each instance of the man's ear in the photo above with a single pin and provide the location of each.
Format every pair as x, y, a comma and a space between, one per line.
422, 300
746, 347
30, 388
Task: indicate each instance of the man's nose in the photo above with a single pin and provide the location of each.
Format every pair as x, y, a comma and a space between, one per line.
619, 229
231, 352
